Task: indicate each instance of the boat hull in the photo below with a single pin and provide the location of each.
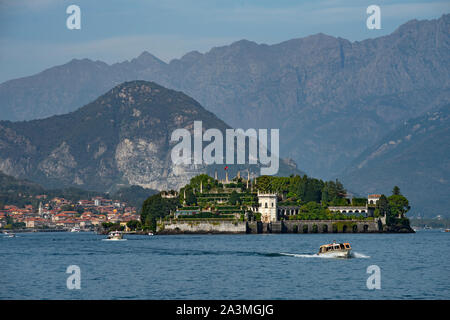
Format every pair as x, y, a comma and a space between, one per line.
337, 254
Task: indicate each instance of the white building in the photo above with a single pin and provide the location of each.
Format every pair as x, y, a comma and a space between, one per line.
373, 198
268, 207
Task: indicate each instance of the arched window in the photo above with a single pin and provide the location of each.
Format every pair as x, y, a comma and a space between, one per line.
266, 204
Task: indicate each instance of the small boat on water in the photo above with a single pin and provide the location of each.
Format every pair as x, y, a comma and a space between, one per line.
115, 235
9, 235
150, 234
337, 250
447, 230
75, 229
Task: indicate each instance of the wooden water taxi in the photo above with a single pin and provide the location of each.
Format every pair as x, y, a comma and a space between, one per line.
337, 250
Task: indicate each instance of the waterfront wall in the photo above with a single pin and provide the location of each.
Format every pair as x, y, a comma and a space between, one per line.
327, 226
255, 227
175, 227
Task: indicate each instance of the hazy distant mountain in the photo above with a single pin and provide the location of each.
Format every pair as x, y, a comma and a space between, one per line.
330, 97
20, 192
416, 157
11, 185
120, 139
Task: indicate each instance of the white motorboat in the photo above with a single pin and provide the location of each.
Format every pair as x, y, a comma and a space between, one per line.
115, 235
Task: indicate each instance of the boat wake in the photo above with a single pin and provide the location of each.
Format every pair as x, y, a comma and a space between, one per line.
114, 239
328, 256
359, 255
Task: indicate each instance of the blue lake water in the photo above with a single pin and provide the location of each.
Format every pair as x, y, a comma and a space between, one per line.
273, 266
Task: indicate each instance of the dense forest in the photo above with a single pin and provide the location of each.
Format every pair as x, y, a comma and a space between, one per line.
304, 189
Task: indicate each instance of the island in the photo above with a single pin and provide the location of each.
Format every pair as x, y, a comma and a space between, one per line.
271, 204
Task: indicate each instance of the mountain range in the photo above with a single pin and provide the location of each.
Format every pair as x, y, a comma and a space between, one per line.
414, 156
122, 138
330, 97
333, 100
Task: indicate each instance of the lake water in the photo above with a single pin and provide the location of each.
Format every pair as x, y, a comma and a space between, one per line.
272, 266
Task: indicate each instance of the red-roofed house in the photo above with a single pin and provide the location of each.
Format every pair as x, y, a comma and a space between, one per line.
373, 198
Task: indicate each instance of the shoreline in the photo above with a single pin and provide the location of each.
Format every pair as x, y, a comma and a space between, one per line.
250, 227
288, 226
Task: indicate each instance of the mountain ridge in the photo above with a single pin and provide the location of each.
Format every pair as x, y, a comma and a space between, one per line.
115, 68
121, 138
414, 157
331, 98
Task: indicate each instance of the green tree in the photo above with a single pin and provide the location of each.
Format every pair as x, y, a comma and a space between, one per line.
340, 190
191, 198
18, 225
339, 202
202, 179
359, 202
234, 198
333, 192
398, 205
394, 208
292, 196
134, 224
312, 211
396, 191
383, 206
326, 198
313, 190
264, 183
156, 207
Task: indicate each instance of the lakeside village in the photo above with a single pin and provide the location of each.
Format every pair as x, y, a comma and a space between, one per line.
60, 214
270, 204
266, 204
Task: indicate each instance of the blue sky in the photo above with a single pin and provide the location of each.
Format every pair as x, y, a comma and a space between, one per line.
33, 33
